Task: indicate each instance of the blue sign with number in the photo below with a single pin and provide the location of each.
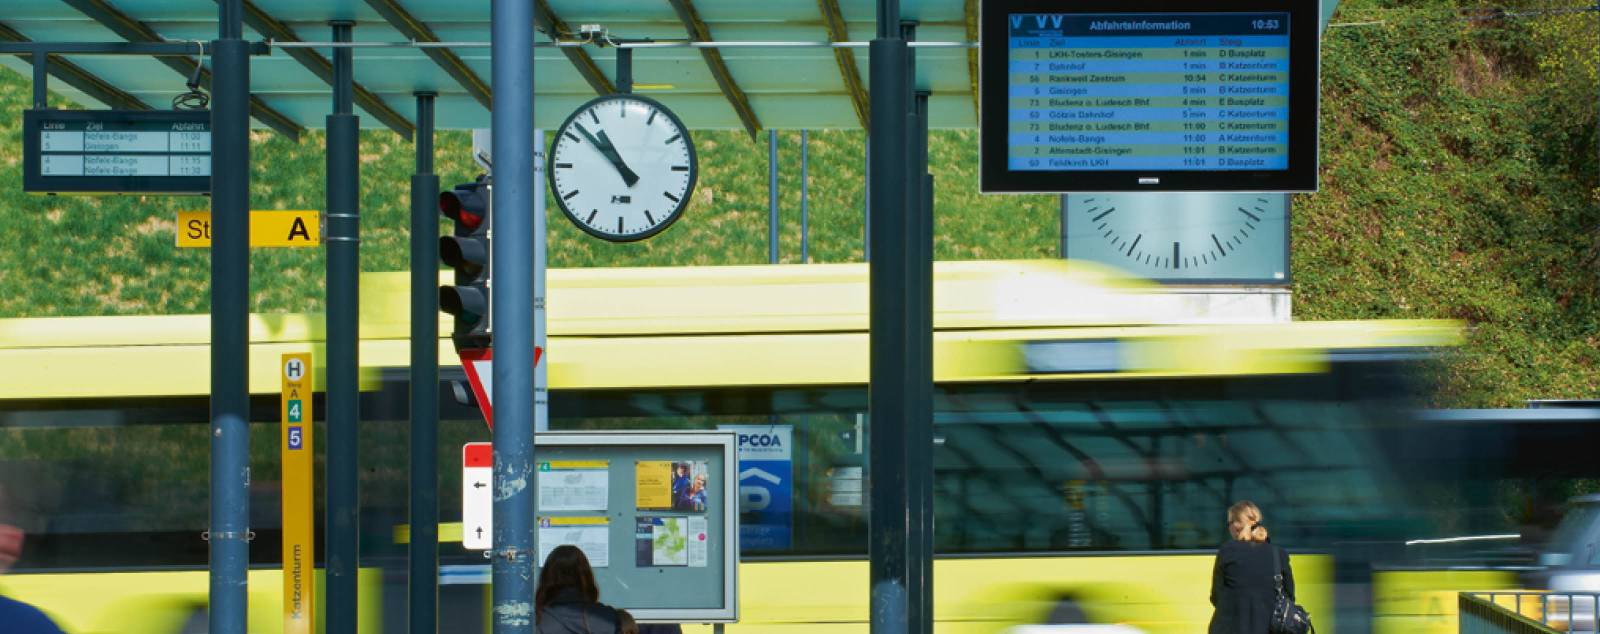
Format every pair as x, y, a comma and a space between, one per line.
296, 439
766, 486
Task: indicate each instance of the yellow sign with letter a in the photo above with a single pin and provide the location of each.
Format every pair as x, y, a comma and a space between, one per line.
299, 558
301, 228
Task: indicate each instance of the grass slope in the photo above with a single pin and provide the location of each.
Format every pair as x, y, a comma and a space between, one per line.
1458, 176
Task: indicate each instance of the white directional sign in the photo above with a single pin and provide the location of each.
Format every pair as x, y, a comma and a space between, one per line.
477, 502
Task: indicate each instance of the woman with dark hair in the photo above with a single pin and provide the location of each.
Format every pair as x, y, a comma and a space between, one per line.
567, 601
1244, 581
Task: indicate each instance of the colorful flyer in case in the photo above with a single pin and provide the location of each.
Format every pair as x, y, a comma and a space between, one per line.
689, 486
652, 485
661, 541
698, 541
590, 534
574, 485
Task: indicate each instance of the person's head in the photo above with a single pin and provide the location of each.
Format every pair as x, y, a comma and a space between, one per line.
683, 469
700, 482
626, 624
1244, 522
566, 567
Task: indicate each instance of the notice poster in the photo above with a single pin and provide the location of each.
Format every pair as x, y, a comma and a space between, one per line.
680, 485
652, 485
696, 527
589, 534
573, 485
661, 541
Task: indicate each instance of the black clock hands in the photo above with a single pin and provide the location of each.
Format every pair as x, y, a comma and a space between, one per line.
603, 143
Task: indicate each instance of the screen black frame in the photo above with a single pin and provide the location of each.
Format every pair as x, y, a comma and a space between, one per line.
1305, 18
36, 183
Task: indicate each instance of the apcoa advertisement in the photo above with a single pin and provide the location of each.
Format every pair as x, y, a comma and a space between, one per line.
766, 485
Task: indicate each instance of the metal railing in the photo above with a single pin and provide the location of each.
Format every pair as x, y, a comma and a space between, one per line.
1525, 612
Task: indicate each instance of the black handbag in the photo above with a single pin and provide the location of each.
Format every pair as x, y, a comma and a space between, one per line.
1287, 616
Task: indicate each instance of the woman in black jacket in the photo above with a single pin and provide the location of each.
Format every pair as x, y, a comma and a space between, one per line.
1243, 588
567, 601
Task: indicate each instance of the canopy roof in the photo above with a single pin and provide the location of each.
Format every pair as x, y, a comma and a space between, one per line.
746, 88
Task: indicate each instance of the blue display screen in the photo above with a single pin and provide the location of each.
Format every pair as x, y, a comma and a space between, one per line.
1141, 91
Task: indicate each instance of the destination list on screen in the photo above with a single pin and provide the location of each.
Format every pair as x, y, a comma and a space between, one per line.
1131, 92
124, 148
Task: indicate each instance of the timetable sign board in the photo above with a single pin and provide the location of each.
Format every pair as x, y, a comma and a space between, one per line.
1130, 97
117, 151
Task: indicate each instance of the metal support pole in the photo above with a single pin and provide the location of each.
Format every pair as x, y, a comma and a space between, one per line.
41, 80
541, 374
890, 390
866, 199
772, 196
343, 292
919, 460
914, 452
230, 327
511, 259
624, 70
424, 547
1062, 248
805, 210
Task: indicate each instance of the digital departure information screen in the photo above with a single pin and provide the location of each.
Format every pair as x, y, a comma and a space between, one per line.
113, 151
1148, 101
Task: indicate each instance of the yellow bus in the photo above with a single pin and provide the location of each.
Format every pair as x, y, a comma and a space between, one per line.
1086, 444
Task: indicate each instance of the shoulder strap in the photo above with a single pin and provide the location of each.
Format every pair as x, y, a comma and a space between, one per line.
1277, 568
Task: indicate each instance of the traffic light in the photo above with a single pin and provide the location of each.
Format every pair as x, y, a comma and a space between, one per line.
467, 251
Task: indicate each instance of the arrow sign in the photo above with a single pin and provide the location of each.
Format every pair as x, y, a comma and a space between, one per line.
477, 505
479, 364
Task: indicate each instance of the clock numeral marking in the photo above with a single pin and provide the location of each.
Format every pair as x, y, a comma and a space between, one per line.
571, 194
1175, 255
1104, 214
574, 137
670, 196
622, 109
563, 166
652, 118
619, 224
596, 117
1219, 244
649, 217
590, 220
1136, 240
680, 168
674, 137
1251, 215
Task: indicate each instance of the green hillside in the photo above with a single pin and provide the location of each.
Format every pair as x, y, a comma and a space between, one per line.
1459, 171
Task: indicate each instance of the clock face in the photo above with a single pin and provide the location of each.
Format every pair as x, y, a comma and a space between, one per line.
622, 168
1183, 237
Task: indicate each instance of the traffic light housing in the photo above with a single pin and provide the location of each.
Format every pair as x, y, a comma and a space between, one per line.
467, 250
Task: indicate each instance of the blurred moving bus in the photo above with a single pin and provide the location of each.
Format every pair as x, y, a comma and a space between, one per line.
1085, 451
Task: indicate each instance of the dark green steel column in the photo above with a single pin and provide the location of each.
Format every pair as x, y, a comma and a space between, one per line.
230, 326
889, 390
424, 551
920, 342
344, 336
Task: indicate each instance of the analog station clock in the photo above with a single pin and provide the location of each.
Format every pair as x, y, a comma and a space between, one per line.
622, 168
1183, 237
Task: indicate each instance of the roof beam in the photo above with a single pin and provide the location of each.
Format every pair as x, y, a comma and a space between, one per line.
133, 30
838, 31
270, 27
409, 26
970, 11
545, 18
75, 76
699, 32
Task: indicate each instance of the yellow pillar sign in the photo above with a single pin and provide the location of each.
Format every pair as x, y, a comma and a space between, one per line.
299, 560
301, 228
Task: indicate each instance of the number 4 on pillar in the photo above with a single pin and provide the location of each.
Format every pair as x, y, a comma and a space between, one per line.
479, 365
